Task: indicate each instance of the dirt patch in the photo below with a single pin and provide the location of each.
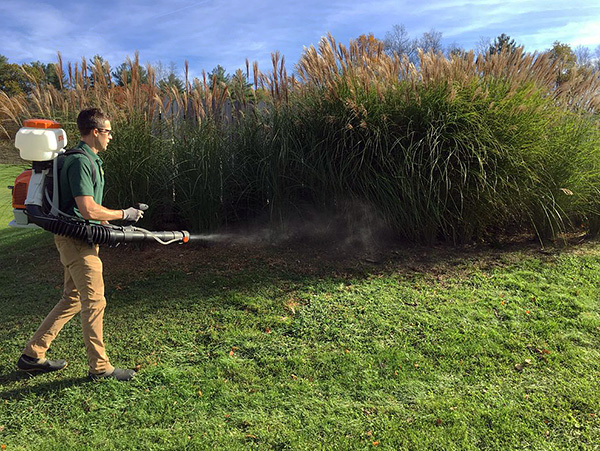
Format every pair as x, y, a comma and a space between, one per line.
306, 259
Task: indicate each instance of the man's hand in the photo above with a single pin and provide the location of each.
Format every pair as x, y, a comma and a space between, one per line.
132, 214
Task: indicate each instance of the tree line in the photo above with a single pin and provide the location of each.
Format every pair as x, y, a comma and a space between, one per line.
22, 78
399, 41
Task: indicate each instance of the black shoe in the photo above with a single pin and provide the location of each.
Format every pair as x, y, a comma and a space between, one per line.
31, 365
118, 374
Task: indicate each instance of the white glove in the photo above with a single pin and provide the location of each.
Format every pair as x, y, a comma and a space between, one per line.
132, 214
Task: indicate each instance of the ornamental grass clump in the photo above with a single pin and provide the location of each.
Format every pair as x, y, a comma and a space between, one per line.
456, 149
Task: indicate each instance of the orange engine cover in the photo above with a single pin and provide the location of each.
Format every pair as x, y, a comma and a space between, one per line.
19, 193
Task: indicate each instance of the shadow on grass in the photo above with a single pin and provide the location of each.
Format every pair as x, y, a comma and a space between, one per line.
150, 277
39, 388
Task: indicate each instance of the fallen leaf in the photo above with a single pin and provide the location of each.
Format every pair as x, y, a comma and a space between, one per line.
519, 367
527, 361
291, 305
438, 422
568, 192
376, 443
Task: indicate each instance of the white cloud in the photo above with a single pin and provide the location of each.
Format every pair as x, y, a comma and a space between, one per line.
587, 34
226, 32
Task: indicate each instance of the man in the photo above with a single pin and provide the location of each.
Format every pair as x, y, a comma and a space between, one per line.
81, 195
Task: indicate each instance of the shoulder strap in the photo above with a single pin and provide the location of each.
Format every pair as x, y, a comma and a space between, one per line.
83, 152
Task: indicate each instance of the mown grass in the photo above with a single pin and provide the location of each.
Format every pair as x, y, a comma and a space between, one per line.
297, 348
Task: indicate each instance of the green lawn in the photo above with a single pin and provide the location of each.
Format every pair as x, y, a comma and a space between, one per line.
297, 348
8, 173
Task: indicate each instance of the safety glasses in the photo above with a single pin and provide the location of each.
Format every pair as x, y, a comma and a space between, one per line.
105, 130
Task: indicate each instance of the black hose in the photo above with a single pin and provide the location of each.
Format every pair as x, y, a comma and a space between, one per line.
100, 234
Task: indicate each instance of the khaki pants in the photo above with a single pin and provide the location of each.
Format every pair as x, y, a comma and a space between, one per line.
83, 292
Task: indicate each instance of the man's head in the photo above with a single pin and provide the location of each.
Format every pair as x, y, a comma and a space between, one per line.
95, 129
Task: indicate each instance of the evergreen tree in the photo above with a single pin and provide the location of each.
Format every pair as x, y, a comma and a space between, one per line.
503, 43
219, 77
122, 74
13, 80
170, 82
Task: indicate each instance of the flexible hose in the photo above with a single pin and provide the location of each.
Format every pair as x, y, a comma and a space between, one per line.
100, 234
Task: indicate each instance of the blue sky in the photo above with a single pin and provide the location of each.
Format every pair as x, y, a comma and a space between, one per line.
226, 32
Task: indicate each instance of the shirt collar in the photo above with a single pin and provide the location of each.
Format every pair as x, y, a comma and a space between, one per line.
89, 150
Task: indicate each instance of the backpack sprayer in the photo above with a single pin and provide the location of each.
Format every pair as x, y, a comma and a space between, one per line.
35, 193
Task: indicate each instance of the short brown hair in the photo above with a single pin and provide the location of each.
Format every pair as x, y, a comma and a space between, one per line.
90, 119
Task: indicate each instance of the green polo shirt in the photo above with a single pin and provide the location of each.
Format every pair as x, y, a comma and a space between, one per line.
76, 180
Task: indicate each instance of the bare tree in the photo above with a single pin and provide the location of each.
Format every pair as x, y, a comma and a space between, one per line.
431, 41
584, 56
454, 49
160, 71
398, 41
482, 46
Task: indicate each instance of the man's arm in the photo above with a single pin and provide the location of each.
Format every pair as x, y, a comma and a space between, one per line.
89, 209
